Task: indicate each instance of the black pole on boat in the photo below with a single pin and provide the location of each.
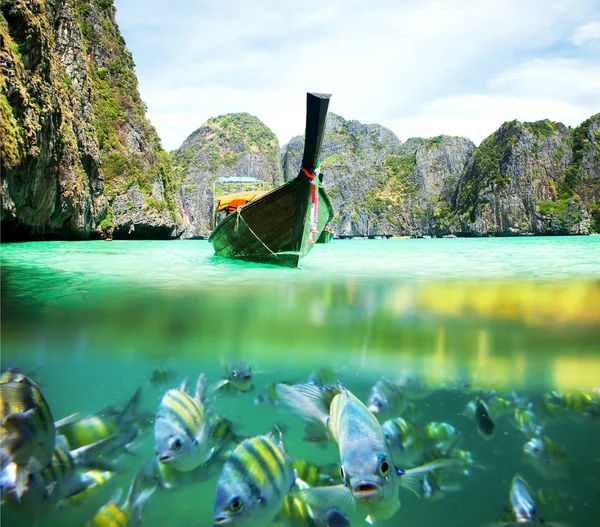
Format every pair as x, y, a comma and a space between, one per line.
316, 114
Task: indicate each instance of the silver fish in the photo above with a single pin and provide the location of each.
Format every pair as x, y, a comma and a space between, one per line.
370, 477
386, 399
547, 457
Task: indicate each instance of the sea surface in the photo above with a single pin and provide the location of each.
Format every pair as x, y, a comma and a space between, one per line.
517, 318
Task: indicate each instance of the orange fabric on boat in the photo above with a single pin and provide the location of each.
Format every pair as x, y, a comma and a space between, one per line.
231, 202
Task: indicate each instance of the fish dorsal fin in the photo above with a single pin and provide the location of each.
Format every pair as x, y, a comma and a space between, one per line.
183, 387
308, 402
201, 388
116, 497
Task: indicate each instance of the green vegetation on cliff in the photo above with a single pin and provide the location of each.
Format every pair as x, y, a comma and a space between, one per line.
118, 108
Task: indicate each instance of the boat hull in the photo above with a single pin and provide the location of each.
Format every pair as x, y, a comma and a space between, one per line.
275, 228
325, 237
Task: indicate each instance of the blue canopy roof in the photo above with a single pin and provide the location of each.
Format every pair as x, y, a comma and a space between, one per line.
238, 179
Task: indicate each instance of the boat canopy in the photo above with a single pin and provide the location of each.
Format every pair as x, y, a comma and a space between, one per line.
231, 202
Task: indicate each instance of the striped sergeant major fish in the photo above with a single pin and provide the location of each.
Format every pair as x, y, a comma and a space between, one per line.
370, 477
129, 514
182, 428
79, 430
26, 424
253, 483
62, 478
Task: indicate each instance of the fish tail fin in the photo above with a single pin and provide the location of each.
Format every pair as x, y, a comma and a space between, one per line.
137, 496
308, 402
98, 455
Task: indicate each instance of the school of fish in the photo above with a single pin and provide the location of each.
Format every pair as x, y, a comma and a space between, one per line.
381, 446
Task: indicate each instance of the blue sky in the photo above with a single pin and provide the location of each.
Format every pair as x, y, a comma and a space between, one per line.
421, 68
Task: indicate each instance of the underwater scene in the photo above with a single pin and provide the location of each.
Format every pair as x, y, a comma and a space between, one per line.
386, 382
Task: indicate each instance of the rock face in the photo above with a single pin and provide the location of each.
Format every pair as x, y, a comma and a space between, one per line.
380, 186
526, 178
520, 180
229, 145
586, 167
79, 158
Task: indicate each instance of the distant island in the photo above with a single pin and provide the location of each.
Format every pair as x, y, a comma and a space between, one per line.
80, 159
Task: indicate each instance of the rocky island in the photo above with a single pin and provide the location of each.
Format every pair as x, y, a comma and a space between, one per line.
80, 159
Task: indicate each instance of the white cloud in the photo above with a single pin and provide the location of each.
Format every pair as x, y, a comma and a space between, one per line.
384, 61
587, 32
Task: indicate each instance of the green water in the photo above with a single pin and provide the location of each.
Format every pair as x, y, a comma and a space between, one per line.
92, 320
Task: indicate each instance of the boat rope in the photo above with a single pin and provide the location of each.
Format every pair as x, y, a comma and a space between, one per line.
314, 223
240, 217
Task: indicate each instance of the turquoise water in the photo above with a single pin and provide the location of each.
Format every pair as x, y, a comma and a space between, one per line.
92, 320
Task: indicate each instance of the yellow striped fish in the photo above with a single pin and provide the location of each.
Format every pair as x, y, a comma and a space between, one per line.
27, 428
81, 430
62, 478
253, 483
129, 513
182, 428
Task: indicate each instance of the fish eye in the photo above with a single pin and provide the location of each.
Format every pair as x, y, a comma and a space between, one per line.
384, 467
234, 373
236, 504
176, 444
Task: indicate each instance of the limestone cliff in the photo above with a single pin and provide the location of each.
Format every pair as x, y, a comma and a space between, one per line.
380, 186
79, 158
229, 145
520, 180
585, 170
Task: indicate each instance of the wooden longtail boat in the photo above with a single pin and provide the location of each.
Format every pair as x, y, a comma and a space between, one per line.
283, 225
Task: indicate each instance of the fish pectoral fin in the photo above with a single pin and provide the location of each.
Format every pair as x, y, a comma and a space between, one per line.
370, 520
410, 479
338, 496
219, 384
70, 419
209, 454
